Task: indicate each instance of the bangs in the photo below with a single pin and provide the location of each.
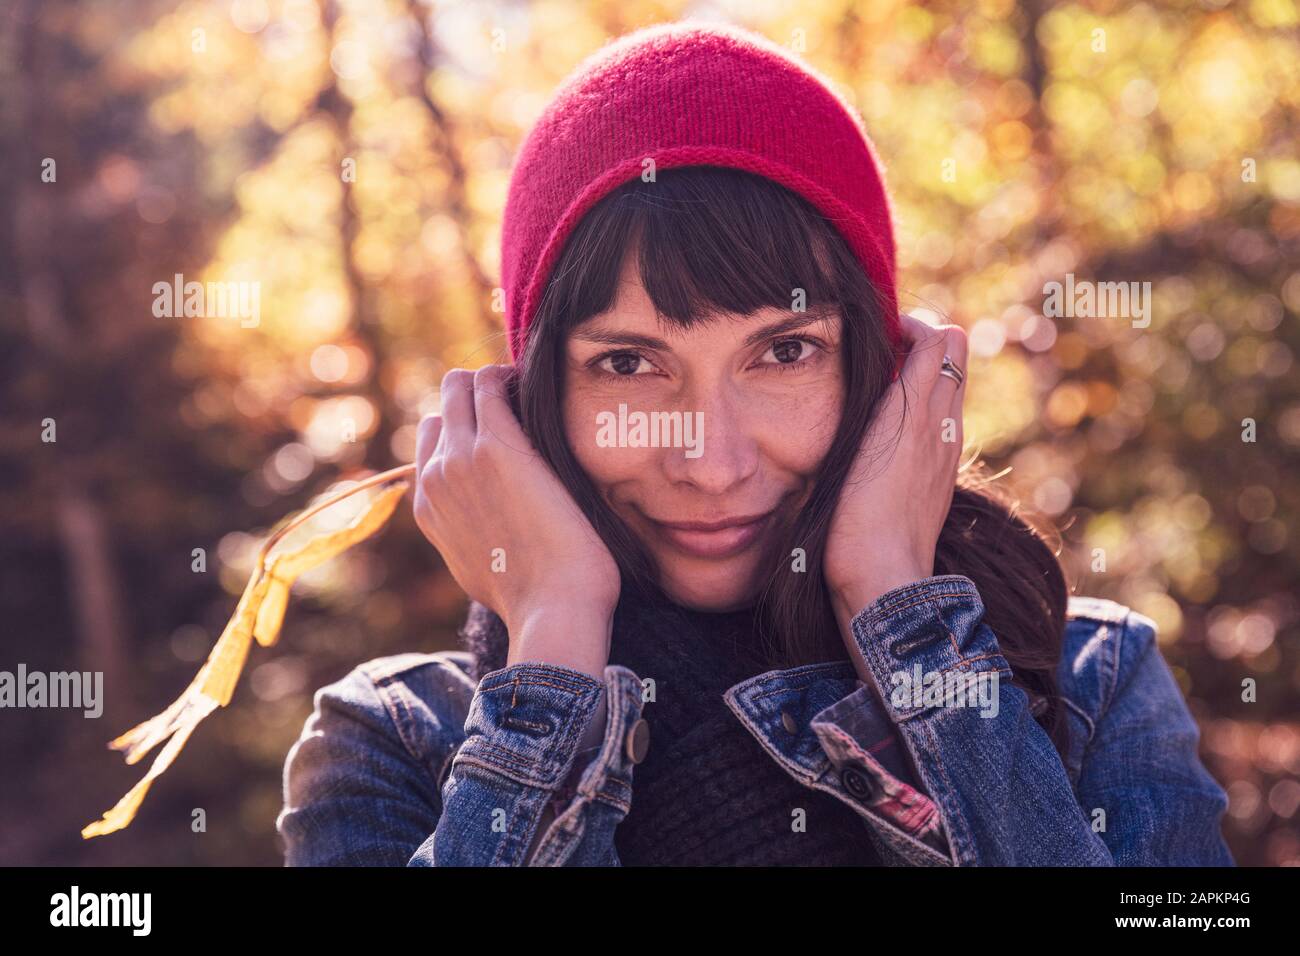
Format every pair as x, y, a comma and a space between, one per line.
708, 240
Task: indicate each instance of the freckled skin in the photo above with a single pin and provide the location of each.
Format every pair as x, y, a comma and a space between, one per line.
770, 411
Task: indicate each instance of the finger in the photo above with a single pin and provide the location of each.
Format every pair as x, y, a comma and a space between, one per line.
959, 352
949, 395
426, 439
958, 345
923, 359
492, 407
955, 350
459, 425
912, 328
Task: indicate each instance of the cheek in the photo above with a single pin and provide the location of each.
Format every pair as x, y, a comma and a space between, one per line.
581, 439
798, 425
605, 466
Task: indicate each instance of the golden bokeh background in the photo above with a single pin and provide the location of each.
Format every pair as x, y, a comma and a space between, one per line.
352, 159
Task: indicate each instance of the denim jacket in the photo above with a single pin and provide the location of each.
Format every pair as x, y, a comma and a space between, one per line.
406, 761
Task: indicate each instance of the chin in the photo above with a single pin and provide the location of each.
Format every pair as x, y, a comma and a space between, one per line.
722, 586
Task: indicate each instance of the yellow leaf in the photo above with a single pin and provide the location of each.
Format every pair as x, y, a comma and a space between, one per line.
260, 613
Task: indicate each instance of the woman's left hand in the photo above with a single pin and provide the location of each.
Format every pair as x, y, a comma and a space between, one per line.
896, 497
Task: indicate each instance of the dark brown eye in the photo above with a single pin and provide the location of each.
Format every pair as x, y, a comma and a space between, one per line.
622, 363
788, 350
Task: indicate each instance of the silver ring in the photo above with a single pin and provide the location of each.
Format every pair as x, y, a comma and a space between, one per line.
949, 367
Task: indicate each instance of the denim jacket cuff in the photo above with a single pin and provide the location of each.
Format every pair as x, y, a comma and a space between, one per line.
602, 796
924, 636
526, 720
522, 733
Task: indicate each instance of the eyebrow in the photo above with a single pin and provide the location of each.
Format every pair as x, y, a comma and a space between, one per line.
791, 323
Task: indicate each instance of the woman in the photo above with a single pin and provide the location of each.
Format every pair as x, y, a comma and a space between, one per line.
733, 599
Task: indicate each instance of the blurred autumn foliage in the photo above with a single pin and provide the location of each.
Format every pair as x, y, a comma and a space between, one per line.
351, 158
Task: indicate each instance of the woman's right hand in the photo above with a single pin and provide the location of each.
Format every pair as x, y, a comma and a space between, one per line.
509, 531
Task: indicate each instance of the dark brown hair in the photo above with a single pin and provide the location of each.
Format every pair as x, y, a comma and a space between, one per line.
709, 239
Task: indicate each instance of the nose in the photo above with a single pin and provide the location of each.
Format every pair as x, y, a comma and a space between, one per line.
726, 450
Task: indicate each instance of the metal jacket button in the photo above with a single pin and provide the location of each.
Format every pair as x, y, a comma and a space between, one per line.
638, 741
788, 722
856, 782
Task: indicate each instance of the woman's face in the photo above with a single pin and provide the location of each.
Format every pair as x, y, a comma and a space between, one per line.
750, 405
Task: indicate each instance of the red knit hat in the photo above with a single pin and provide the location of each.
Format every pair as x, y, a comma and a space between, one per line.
689, 94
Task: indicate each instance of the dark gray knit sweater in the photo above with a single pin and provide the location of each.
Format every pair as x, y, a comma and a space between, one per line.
707, 794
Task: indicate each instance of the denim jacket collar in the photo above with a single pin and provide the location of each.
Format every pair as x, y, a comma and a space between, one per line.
770, 703
818, 722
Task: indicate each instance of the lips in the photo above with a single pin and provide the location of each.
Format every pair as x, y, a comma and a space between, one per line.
714, 539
